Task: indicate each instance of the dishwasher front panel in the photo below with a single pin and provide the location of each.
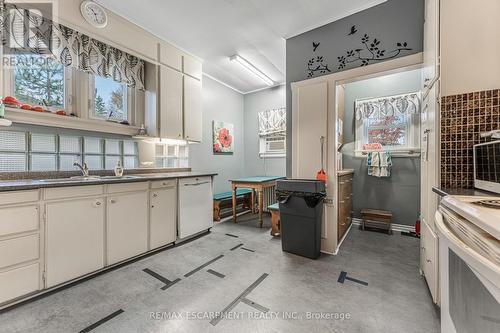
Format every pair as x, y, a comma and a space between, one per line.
195, 206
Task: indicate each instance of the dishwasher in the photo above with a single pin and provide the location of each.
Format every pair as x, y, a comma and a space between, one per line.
195, 206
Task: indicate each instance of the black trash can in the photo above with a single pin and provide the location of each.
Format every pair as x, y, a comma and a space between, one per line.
301, 212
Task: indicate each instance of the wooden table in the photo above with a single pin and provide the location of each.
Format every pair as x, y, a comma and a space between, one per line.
256, 184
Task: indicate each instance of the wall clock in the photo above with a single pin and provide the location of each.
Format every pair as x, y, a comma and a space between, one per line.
94, 14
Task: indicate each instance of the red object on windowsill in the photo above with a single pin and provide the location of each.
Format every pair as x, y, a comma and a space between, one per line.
417, 228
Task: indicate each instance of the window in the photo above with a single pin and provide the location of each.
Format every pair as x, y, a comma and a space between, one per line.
25, 151
109, 99
172, 156
390, 132
39, 80
272, 133
394, 133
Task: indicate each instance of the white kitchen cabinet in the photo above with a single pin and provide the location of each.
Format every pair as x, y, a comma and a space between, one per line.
430, 72
127, 226
428, 260
15, 220
192, 66
74, 239
171, 100
19, 282
163, 213
192, 109
171, 56
195, 205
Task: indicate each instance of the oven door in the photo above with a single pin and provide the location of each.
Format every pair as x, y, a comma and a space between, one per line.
470, 286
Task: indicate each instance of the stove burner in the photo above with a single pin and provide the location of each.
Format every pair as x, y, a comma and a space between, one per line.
495, 204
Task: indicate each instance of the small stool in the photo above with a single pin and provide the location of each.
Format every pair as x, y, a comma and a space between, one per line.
275, 219
377, 215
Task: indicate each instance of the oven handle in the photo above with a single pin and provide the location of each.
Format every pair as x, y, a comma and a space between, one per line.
475, 260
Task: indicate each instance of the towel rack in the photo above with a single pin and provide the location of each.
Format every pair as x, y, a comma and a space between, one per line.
392, 151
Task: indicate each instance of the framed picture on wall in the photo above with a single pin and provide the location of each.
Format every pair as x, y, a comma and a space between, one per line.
223, 138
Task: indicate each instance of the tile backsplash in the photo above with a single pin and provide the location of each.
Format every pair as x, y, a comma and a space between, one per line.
463, 118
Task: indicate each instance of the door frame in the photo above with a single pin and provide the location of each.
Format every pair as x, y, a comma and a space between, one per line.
329, 244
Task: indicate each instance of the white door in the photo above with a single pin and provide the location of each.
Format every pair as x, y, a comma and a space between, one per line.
195, 205
192, 109
170, 103
163, 212
309, 123
75, 239
127, 226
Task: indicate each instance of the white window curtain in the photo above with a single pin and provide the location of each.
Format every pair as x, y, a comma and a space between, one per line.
272, 122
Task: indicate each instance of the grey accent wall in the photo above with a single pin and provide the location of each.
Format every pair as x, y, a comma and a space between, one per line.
223, 104
391, 22
271, 98
400, 193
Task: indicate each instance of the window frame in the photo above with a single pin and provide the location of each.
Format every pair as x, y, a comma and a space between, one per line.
9, 86
412, 127
129, 102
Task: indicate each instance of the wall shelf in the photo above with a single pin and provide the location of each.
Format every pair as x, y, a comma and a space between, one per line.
49, 119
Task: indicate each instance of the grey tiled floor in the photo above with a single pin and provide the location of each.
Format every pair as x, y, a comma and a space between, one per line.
396, 299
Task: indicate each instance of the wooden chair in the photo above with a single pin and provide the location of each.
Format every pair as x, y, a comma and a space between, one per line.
377, 215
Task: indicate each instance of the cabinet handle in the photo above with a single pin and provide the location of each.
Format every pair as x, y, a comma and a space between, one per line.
97, 204
152, 206
155, 195
342, 224
428, 260
112, 201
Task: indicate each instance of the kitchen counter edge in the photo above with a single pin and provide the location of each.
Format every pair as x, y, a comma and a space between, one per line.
34, 184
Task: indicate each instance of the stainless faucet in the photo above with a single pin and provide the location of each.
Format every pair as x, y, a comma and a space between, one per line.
84, 167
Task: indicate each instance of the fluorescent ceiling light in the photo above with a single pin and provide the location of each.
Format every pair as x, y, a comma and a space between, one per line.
252, 69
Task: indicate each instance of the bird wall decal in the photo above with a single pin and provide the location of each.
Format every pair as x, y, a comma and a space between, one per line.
315, 46
353, 30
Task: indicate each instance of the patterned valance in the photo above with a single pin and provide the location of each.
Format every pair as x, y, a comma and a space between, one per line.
388, 106
272, 122
70, 47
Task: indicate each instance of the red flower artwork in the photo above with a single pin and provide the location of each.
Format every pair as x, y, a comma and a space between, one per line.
225, 138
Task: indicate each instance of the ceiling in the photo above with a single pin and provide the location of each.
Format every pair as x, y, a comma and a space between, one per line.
214, 30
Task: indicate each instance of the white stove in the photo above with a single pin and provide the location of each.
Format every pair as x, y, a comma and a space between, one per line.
469, 256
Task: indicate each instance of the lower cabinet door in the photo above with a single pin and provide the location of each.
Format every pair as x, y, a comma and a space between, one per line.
75, 239
19, 282
127, 226
163, 214
429, 259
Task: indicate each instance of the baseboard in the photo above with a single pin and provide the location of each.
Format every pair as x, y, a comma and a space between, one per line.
394, 226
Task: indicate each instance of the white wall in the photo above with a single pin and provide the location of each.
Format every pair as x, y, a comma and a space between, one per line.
470, 47
272, 98
222, 104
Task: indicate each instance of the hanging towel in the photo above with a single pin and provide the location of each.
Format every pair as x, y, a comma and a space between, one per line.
379, 164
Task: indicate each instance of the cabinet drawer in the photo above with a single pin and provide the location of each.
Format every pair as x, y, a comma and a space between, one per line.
8, 198
19, 250
164, 183
128, 187
18, 219
73, 192
19, 282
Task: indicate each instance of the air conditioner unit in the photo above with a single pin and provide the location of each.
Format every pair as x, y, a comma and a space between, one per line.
275, 144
